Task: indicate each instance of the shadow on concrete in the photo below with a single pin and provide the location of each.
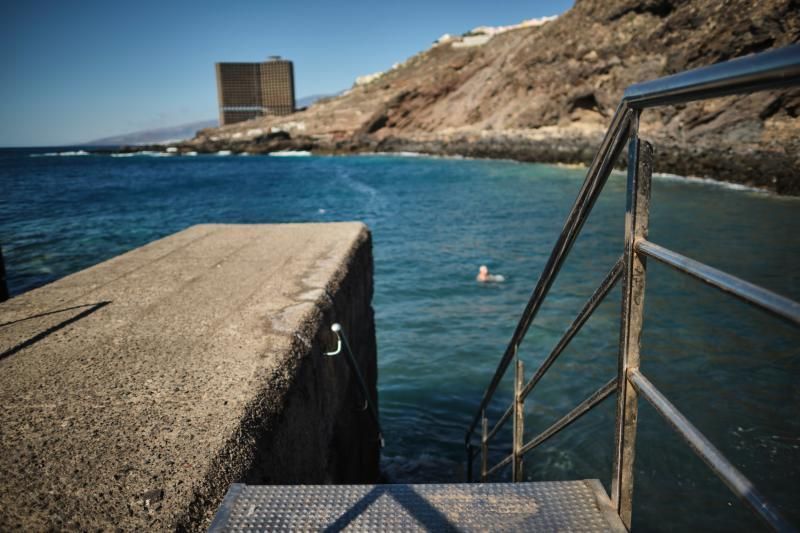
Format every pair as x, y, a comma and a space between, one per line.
50, 313
417, 506
91, 308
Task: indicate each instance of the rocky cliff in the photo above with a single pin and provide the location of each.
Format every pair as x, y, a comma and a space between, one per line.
547, 92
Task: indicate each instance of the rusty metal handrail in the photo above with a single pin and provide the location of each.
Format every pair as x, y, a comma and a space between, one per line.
341, 341
582, 408
767, 300
737, 482
594, 301
600, 169
767, 70
3, 284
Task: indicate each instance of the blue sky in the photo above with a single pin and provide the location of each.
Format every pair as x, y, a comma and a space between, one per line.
76, 71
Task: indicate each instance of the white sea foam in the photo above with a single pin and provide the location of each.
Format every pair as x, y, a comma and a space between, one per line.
707, 181
407, 154
430, 156
291, 153
678, 178
61, 154
143, 153
224, 152
192, 154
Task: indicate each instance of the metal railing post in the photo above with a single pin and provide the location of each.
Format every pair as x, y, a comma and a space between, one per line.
470, 458
484, 445
519, 422
3, 286
640, 167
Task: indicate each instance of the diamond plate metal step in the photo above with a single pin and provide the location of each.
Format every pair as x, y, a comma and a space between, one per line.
539, 506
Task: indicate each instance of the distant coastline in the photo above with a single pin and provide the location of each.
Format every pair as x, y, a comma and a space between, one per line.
540, 92
755, 170
159, 151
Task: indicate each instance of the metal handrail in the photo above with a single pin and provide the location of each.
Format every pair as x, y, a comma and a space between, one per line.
737, 482
767, 70
594, 301
757, 72
582, 408
341, 340
3, 284
744, 290
600, 169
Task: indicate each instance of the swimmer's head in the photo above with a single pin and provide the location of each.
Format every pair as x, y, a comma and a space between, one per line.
484, 269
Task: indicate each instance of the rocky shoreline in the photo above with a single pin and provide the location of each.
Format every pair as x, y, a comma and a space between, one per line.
752, 167
546, 91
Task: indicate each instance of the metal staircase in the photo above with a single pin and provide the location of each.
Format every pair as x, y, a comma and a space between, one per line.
768, 70
571, 505
545, 506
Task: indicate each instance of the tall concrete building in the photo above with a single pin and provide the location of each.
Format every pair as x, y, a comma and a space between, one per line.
250, 90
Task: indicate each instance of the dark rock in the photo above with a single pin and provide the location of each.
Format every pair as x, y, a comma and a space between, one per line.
153, 496
273, 136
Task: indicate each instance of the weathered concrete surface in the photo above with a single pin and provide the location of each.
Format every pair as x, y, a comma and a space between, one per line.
136, 391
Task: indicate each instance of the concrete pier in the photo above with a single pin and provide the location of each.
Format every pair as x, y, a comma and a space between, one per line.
135, 392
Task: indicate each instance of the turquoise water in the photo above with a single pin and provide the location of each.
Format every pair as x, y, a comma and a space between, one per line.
731, 369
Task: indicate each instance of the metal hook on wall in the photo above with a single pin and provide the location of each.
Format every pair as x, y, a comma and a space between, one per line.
336, 328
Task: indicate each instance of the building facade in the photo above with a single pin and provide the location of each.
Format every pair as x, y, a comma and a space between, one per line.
249, 90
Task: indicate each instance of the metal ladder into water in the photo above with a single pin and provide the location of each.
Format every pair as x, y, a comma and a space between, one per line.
558, 505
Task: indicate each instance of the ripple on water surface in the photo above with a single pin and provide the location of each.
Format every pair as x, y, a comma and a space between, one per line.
731, 369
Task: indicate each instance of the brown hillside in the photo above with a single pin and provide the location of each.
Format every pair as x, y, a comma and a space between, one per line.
547, 94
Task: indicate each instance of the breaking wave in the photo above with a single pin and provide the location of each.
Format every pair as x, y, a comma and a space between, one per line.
708, 181
143, 153
71, 153
291, 153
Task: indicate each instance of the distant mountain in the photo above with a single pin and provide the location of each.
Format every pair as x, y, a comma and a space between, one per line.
156, 136
184, 131
308, 100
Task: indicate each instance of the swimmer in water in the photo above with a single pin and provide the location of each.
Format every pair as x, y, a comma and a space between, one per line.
484, 276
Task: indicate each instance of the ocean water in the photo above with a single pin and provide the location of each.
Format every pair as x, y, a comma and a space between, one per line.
732, 370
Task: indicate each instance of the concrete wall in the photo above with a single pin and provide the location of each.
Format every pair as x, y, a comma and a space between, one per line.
136, 391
